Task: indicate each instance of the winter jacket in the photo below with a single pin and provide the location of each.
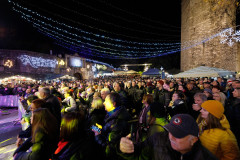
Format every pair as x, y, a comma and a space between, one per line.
71, 104
161, 96
157, 126
97, 116
83, 149
178, 107
42, 148
233, 115
221, 143
54, 106
115, 126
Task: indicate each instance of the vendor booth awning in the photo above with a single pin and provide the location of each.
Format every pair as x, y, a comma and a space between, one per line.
16, 79
119, 72
65, 77
152, 72
131, 72
204, 71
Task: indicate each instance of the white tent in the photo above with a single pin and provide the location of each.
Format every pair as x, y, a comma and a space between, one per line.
204, 71
119, 72
132, 72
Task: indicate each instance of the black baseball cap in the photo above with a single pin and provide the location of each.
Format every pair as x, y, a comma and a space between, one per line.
182, 125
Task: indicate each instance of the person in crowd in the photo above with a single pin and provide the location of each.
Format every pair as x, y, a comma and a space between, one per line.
200, 85
55, 92
28, 93
149, 88
157, 119
119, 89
221, 97
216, 89
104, 93
233, 114
143, 118
191, 91
69, 104
208, 93
44, 137
116, 125
180, 141
138, 96
97, 112
53, 104
215, 83
178, 104
199, 98
215, 133
96, 94
207, 85
75, 142
161, 95
181, 88
34, 103
89, 97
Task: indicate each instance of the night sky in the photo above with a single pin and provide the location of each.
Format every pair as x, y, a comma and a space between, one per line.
141, 21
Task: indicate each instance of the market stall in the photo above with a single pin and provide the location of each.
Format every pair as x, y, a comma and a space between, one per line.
204, 71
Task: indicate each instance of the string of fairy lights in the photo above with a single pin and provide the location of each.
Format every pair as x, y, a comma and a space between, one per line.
98, 44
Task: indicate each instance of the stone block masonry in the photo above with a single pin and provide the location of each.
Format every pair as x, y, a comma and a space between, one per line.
201, 20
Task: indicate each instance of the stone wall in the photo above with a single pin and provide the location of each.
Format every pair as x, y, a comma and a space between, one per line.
202, 20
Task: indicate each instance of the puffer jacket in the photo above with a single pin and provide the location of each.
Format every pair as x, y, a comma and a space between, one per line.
116, 126
222, 143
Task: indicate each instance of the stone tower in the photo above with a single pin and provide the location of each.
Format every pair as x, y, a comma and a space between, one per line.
201, 20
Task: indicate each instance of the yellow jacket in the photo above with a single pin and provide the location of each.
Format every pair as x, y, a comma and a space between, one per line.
222, 143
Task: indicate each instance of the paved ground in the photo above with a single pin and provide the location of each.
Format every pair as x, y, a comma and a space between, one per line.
9, 129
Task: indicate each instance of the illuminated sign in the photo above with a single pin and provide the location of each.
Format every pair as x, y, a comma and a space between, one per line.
75, 62
37, 62
8, 63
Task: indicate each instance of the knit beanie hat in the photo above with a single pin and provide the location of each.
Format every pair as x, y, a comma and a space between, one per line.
214, 107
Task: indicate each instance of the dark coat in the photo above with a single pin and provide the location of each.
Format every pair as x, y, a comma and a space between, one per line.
158, 147
233, 116
179, 106
54, 106
42, 148
97, 116
161, 96
115, 127
83, 149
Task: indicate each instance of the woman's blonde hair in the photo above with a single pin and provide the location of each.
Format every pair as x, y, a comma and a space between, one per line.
97, 103
222, 97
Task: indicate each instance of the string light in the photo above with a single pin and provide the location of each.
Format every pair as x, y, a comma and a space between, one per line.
229, 37
91, 44
80, 30
37, 62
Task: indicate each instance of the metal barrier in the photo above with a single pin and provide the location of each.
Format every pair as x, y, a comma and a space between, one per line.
9, 101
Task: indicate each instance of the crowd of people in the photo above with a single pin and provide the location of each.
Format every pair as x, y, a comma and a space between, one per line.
126, 117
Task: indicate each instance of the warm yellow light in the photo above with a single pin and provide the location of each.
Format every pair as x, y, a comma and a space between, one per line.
8, 63
62, 62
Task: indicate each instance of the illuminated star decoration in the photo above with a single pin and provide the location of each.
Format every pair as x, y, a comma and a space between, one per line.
228, 36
